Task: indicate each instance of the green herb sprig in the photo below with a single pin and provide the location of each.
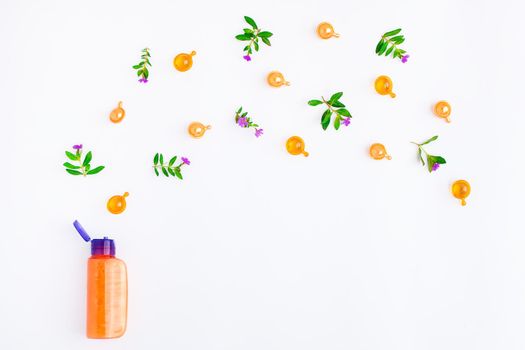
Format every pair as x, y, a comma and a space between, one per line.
84, 165
169, 169
142, 66
253, 35
388, 45
433, 162
334, 106
244, 121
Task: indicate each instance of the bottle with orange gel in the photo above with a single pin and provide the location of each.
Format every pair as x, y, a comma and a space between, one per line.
107, 289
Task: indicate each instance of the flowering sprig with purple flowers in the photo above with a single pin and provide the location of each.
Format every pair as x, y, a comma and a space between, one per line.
142, 66
169, 168
244, 121
84, 166
388, 44
334, 106
433, 162
253, 35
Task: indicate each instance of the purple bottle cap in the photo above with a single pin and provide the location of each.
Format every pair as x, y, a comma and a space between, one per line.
103, 246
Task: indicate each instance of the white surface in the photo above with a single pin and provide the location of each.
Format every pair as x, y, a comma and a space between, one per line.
257, 249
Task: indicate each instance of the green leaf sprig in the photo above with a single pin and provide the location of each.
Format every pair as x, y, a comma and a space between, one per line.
84, 165
334, 106
142, 66
433, 162
388, 45
253, 35
244, 121
169, 169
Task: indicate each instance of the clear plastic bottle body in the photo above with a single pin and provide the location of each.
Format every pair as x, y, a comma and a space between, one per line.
107, 297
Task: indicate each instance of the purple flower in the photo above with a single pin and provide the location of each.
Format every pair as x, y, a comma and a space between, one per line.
185, 160
258, 132
435, 166
247, 58
346, 121
143, 80
77, 147
243, 123
404, 59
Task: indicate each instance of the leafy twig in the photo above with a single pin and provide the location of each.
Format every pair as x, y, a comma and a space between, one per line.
244, 121
142, 66
253, 35
433, 162
388, 44
84, 166
169, 168
333, 105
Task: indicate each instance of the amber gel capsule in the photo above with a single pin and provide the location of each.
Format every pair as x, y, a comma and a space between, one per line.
107, 289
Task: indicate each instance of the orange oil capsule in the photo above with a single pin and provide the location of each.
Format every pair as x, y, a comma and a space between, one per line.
461, 190
326, 31
276, 79
197, 129
117, 204
117, 114
442, 109
183, 61
295, 146
384, 86
378, 152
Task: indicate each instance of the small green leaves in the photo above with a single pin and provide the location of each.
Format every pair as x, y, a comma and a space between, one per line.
244, 121
334, 106
142, 66
84, 166
252, 36
388, 45
433, 162
169, 169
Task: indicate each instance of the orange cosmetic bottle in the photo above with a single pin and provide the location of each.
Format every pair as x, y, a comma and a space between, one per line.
107, 289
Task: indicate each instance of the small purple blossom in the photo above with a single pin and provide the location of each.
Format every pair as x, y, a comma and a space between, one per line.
258, 132
243, 123
247, 58
77, 147
404, 59
435, 166
185, 160
346, 121
143, 80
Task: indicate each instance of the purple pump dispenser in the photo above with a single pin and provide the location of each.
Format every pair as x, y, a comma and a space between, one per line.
103, 246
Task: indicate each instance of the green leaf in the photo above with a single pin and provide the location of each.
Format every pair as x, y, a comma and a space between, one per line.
440, 160
433, 138
178, 173
248, 31
430, 163
165, 172
137, 66
73, 172
335, 97
343, 112
264, 34
146, 72
315, 102
71, 156
420, 156
70, 166
250, 21
161, 159
87, 167
383, 48
96, 170
325, 120
337, 104
171, 171
156, 159
87, 159
172, 160
266, 41
392, 32
379, 45
156, 171
389, 50
243, 37
256, 46
337, 122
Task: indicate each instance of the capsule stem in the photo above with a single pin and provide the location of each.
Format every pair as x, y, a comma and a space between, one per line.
447, 119
208, 127
193, 53
287, 83
119, 104
306, 154
125, 194
336, 35
463, 203
392, 95
388, 157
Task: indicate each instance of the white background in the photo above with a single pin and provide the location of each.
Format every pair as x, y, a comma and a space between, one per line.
257, 249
